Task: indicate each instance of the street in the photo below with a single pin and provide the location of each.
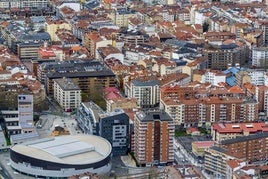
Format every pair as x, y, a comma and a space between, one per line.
6, 171
183, 157
3, 172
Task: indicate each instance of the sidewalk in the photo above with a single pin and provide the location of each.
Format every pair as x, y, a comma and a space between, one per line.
128, 161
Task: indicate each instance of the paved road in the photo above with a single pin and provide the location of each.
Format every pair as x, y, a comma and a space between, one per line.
4, 173
189, 157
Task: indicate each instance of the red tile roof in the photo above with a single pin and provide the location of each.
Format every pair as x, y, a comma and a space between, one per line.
203, 144
239, 128
232, 163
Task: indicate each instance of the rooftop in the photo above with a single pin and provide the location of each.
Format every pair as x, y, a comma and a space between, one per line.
71, 149
239, 128
145, 83
203, 144
116, 112
245, 138
148, 116
76, 68
66, 84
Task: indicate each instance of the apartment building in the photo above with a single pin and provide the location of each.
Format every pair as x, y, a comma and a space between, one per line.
120, 16
67, 94
263, 99
25, 108
114, 100
109, 52
254, 76
12, 126
53, 25
260, 56
203, 104
88, 117
213, 77
133, 37
145, 91
215, 161
114, 126
93, 41
88, 75
21, 41
263, 25
224, 131
153, 138
221, 56
199, 147
28, 50
252, 148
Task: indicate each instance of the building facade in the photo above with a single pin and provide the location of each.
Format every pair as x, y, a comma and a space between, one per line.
215, 161
67, 94
120, 16
20, 122
88, 117
220, 57
153, 138
146, 92
7, 4
222, 131
89, 76
198, 106
93, 40
114, 126
52, 25
259, 56
252, 148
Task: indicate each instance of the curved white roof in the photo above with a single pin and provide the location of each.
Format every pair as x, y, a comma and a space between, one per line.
69, 149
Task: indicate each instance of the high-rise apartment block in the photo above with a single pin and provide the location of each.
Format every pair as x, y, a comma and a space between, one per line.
154, 135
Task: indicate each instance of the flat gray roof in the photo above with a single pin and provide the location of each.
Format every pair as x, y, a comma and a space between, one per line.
71, 149
153, 116
66, 84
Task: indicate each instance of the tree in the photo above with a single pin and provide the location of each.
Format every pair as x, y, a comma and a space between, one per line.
205, 26
96, 95
84, 96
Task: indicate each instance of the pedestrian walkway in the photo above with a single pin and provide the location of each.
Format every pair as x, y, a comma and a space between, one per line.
128, 161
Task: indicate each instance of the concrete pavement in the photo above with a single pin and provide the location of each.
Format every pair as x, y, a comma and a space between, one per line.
9, 173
